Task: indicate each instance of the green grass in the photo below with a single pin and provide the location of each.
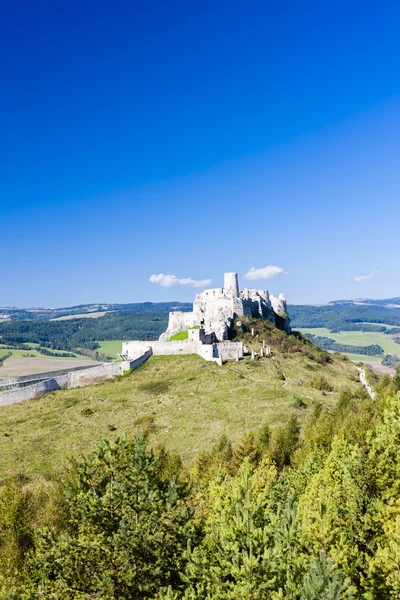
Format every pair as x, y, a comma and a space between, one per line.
23, 353
358, 338
182, 335
190, 403
361, 357
111, 348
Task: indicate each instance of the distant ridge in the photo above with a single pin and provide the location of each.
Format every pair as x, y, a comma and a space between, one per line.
385, 303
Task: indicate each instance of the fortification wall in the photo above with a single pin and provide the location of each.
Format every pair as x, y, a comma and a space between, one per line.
206, 352
179, 321
133, 349
23, 380
73, 379
229, 350
29, 392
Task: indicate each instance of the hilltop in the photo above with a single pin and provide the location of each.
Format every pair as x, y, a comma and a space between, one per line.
183, 402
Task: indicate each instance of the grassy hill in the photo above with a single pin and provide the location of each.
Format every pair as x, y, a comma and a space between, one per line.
184, 402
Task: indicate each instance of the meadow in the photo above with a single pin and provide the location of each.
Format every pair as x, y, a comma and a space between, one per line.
184, 402
111, 348
358, 338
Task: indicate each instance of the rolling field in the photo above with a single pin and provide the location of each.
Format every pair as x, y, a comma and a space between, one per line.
358, 338
111, 348
42, 364
185, 402
27, 362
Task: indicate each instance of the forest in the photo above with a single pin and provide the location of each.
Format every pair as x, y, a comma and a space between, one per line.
345, 317
146, 321
277, 516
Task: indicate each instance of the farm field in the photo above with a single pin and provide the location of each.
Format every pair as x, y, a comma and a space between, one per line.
19, 363
358, 338
88, 315
30, 366
111, 347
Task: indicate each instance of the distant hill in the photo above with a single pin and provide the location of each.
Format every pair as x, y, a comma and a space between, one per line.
346, 315
80, 331
386, 303
82, 311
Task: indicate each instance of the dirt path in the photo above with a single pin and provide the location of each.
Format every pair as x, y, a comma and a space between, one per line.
365, 383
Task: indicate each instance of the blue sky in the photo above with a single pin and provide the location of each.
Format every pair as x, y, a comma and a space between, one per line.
188, 139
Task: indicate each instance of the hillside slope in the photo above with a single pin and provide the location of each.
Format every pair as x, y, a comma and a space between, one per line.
184, 402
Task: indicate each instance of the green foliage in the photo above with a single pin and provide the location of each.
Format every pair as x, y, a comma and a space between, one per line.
325, 582
320, 382
275, 516
126, 322
390, 360
332, 507
248, 549
342, 316
284, 442
125, 528
4, 358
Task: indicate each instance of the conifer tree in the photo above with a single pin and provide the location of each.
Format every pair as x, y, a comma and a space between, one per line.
324, 582
126, 528
249, 549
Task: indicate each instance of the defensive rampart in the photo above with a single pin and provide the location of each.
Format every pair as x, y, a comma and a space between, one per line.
216, 351
74, 379
23, 380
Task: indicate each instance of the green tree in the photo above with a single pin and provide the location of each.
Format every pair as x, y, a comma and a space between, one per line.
383, 576
332, 508
324, 582
284, 442
249, 549
126, 526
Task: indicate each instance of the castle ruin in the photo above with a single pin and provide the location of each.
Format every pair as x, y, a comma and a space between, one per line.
209, 325
215, 310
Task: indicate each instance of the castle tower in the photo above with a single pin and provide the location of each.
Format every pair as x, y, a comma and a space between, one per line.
231, 284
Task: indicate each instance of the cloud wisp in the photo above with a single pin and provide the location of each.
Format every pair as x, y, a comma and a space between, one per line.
168, 281
365, 277
264, 273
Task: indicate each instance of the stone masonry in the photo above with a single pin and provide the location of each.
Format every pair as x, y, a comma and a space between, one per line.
214, 310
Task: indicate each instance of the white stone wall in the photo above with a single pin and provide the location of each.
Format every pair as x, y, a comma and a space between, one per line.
229, 350
179, 321
206, 351
158, 348
29, 392
73, 379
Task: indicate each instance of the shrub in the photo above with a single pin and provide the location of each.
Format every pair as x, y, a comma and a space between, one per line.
320, 382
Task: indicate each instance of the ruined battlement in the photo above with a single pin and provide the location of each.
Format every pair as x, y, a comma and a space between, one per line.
214, 310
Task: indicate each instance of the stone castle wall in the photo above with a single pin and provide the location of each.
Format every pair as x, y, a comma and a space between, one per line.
73, 379
224, 350
23, 380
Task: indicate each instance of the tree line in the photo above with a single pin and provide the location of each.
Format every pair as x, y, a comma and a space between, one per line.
85, 333
345, 317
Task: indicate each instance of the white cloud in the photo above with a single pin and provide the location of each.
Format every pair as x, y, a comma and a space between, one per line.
365, 277
263, 273
172, 280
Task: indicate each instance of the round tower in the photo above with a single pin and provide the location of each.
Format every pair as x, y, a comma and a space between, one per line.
231, 284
